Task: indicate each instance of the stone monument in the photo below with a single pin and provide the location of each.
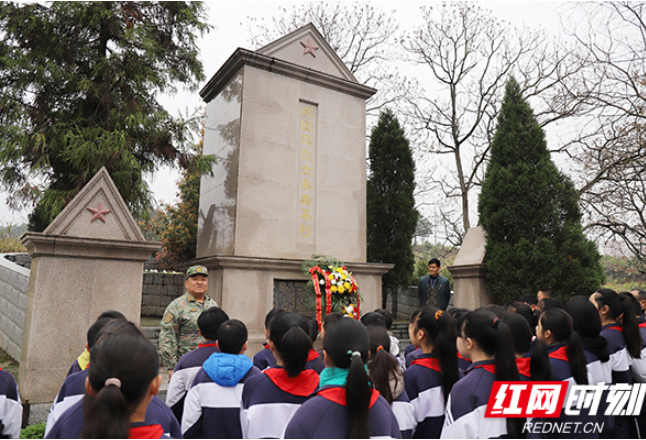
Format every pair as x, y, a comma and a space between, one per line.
88, 260
468, 271
287, 125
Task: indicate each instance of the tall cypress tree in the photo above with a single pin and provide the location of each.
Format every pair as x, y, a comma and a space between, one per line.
392, 216
530, 212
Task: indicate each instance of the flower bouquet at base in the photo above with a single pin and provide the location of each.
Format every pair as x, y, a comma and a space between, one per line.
333, 283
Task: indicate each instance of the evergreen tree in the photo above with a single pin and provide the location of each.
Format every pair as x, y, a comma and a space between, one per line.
392, 216
78, 91
531, 215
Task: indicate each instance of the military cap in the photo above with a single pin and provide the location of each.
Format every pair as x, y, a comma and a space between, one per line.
196, 270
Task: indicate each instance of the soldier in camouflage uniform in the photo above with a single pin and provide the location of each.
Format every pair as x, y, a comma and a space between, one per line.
179, 333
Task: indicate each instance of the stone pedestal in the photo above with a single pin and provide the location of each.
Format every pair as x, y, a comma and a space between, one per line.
76, 277
468, 271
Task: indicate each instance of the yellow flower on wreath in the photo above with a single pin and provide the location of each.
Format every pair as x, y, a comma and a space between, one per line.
333, 289
347, 286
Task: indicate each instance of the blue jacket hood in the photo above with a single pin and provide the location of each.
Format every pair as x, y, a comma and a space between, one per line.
226, 369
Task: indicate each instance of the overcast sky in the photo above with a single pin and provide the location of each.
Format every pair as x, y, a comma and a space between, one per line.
230, 32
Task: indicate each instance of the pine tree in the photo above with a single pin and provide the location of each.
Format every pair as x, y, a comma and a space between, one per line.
392, 216
79, 83
531, 215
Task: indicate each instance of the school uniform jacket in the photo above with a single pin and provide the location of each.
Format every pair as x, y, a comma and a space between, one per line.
465, 409
71, 397
10, 406
405, 414
184, 373
315, 361
324, 415
423, 381
638, 366
270, 400
71, 423
412, 355
620, 365
562, 371
264, 359
212, 405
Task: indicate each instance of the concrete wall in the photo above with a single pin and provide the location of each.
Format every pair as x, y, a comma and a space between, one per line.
407, 302
14, 283
159, 290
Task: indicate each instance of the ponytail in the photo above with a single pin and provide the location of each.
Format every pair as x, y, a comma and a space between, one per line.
289, 332
539, 364
559, 323
619, 307
346, 344
382, 366
493, 337
439, 329
122, 368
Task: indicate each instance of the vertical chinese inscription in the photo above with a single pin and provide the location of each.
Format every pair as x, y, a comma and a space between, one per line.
306, 193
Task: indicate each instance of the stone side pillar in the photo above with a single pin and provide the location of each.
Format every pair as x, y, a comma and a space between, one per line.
468, 271
90, 259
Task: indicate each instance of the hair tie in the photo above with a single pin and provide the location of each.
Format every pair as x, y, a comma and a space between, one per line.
353, 353
379, 348
438, 315
113, 381
495, 321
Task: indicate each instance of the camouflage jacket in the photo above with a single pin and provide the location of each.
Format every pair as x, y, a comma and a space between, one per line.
179, 333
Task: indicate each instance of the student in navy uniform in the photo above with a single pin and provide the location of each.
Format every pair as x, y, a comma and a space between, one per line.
623, 342
187, 367
325, 322
71, 422
346, 405
387, 377
269, 400
265, 358
123, 378
431, 376
487, 342
212, 405
567, 359
11, 408
532, 359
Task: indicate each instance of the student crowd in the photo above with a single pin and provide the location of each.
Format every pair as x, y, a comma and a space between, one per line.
358, 385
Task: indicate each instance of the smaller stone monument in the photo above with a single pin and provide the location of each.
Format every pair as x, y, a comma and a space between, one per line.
468, 271
88, 260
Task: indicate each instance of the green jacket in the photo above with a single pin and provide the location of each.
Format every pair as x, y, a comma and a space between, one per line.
179, 333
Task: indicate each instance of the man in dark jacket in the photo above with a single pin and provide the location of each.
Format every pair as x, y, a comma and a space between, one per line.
434, 283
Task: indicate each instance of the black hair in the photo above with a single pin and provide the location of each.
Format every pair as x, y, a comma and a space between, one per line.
210, 321
134, 361
383, 366
525, 311
641, 296
347, 344
618, 306
373, 318
549, 303
314, 328
496, 309
457, 314
290, 334
587, 323
631, 302
529, 298
232, 336
521, 333
387, 316
547, 292
111, 314
272, 313
118, 327
94, 330
559, 323
434, 261
330, 318
440, 331
494, 338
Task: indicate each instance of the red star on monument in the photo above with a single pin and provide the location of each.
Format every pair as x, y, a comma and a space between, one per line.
99, 213
309, 47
